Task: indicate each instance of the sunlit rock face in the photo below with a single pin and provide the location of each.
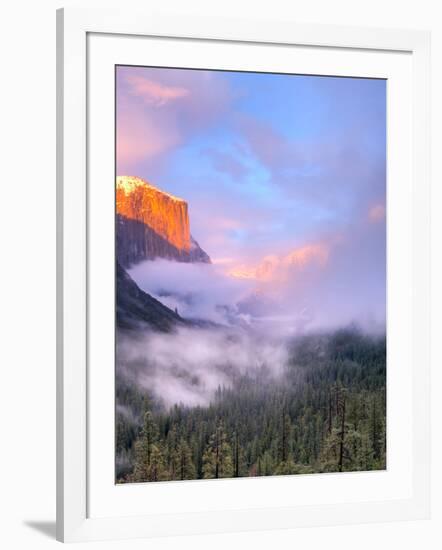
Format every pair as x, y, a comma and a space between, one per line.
152, 224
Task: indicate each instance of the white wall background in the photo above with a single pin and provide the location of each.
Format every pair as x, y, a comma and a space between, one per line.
27, 275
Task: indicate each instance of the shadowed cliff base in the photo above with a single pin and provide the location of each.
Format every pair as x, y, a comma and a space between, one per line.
136, 241
137, 309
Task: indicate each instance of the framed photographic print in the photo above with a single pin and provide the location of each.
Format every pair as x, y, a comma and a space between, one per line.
243, 298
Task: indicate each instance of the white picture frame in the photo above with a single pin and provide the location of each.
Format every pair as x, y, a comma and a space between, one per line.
87, 508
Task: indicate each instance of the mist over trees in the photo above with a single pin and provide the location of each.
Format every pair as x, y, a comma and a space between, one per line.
325, 412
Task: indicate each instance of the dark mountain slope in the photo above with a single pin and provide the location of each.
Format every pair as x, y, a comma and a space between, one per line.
136, 309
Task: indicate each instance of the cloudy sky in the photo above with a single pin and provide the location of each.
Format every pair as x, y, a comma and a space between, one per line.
283, 167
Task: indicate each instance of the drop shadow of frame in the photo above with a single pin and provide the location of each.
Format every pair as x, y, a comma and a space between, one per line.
46, 528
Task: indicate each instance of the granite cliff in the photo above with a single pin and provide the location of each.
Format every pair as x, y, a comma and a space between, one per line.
151, 223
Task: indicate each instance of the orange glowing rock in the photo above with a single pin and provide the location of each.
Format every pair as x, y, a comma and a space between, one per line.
163, 213
151, 223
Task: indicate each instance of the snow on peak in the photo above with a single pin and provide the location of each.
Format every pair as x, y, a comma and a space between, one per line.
130, 183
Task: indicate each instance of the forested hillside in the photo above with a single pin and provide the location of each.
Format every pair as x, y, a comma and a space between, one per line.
325, 413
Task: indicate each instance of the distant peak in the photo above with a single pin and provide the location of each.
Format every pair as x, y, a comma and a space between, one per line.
130, 183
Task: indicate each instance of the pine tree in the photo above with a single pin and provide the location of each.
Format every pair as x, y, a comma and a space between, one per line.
149, 459
239, 462
334, 449
341, 401
375, 431
217, 457
236, 453
185, 468
157, 469
267, 464
285, 440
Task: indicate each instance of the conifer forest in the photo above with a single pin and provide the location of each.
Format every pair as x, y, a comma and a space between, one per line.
325, 413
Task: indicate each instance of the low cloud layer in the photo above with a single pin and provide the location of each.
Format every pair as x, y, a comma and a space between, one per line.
188, 366
198, 291
323, 285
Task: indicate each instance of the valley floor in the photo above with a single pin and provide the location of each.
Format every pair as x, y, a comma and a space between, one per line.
325, 413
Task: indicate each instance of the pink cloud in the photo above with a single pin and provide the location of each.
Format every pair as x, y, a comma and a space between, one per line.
154, 92
376, 213
140, 138
316, 252
280, 268
159, 109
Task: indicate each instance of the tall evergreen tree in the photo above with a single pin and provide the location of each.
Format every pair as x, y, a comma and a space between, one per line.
185, 468
149, 459
217, 458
